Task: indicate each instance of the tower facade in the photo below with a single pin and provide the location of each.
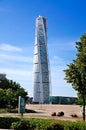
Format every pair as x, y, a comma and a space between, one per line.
41, 65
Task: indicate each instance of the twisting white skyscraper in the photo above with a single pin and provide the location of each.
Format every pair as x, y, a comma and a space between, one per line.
41, 65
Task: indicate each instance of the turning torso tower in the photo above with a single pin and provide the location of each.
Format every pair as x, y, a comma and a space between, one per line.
41, 81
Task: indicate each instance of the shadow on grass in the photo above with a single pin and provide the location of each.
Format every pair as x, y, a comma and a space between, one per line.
7, 110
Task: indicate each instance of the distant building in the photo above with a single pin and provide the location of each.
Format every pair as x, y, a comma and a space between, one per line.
2, 75
41, 68
62, 100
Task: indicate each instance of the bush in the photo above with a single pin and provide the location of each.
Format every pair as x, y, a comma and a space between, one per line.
12, 110
21, 125
5, 122
40, 124
55, 126
74, 126
3, 110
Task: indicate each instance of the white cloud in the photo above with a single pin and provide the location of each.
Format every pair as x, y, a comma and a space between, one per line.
62, 45
16, 58
16, 72
8, 47
23, 77
17, 66
56, 60
59, 85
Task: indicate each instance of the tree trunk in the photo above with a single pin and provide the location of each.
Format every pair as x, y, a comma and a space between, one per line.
83, 108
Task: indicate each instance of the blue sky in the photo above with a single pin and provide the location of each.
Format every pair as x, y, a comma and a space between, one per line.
66, 23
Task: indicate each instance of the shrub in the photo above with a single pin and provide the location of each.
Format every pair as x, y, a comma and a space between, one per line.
55, 126
74, 126
3, 110
21, 125
5, 122
40, 124
12, 110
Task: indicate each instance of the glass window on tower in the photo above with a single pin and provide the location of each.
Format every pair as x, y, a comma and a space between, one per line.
35, 49
43, 59
42, 49
44, 67
45, 77
35, 58
40, 30
36, 77
41, 39
36, 67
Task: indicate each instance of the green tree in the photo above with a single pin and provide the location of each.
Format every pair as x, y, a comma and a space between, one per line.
2, 97
9, 96
76, 71
9, 92
79, 101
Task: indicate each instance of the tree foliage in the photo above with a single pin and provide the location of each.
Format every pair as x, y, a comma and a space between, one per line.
76, 71
9, 92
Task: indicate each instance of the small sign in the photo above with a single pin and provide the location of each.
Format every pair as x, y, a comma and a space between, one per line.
21, 104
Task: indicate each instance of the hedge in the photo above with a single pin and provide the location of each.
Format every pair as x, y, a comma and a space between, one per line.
40, 124
5, 122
